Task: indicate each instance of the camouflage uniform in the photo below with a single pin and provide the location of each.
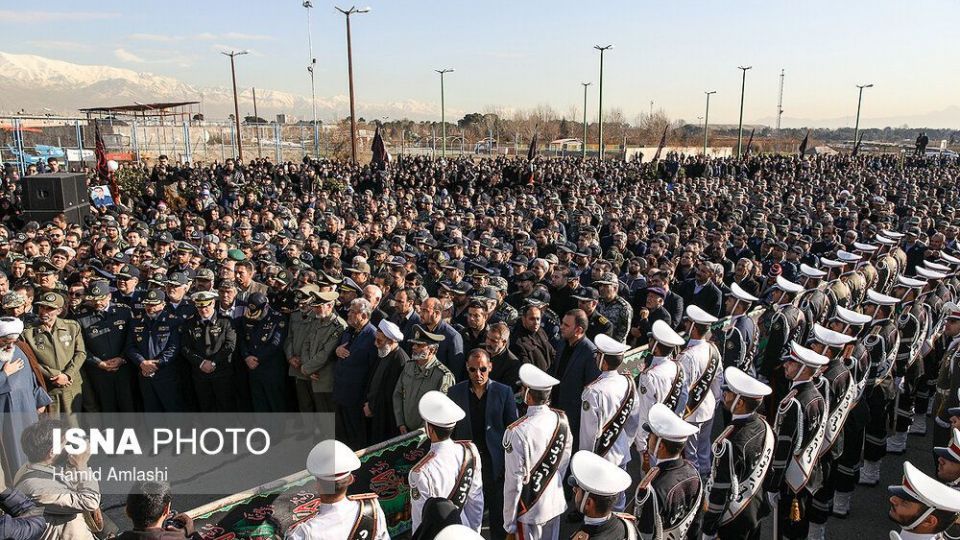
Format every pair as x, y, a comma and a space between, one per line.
620, 314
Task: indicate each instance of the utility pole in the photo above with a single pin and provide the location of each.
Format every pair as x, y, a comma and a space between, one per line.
443, 117
706, 121
256, 118
236, 104
600, 91
313, 88
353, 112
780, 102
584, 145
856, 128
743, 86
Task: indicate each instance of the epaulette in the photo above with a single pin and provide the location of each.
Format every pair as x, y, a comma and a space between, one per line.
624, 515
363, 497
558, 411
603, 320
518, 421
426, 459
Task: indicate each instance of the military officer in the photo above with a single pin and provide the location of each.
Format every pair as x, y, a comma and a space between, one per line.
944, 355
800, 428
742, 455
452, 469
611, 409
703, 374
588, 299
738, 341
857, 360
882, 343
784, 324
153, 344
537, 450
668, 498
599, 484
208, 342
261, 349
58, 346
662, 381
614, 307
913, 325
923, 507
340, 516
105, 325
127, 292
839, 390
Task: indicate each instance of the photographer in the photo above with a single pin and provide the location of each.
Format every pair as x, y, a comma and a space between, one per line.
148, 507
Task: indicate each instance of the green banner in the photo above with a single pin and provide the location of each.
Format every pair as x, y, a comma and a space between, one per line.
268, 512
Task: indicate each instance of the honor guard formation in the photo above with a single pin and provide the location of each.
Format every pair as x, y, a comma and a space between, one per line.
692, 348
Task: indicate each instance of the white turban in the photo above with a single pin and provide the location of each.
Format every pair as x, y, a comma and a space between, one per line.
10, 326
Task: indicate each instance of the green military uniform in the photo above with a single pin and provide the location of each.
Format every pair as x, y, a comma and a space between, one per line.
59, 350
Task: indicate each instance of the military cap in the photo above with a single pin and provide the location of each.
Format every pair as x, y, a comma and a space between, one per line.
805, 356
203, 298
422, 337
535, 378
666, 425
177, 279
350, 285
738, 382
236, 255
127, 271
360, 267
830, 338
439, 410
205, 274
323, 297
586, 294
665, 335
331, 460
186, 247
13, 299
699, 316
154, 297
950, 452
919, 488
597, 475
50, 299
608, 345
257, 301
43, 265
98, 289
227, 284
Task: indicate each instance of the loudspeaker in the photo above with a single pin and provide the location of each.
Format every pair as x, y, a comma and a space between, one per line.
54, 191
46, 195
74, 214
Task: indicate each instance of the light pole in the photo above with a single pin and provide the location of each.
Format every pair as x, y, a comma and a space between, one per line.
600, 91
856, 128
313, 88
743, 86
353, 115
443, 118
706, 121
584, 145
236, 105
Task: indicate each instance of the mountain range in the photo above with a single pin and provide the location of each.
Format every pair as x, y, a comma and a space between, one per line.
42, 85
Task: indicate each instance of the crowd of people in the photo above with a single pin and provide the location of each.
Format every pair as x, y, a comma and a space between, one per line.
798, 315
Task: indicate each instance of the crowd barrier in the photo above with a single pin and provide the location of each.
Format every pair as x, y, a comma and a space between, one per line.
272, 509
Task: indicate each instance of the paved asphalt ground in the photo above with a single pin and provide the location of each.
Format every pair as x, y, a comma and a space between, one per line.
867, 519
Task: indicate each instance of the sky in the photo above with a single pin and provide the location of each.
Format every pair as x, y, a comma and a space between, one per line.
521, 54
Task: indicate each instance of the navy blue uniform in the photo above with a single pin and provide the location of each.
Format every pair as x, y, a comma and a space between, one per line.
156, 339
214, 340
105, 337
263, 339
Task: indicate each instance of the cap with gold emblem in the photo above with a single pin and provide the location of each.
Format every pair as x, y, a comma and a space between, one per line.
50, 299
203, 298
422, 337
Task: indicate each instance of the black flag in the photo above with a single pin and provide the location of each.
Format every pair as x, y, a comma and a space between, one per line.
749, 143
379, 149
532, 152
663, 142
856, 146
803, 144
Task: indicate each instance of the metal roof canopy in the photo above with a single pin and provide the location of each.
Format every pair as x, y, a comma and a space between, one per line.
143, 109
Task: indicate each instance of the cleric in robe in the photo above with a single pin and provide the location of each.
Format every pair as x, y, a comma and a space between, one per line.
21, 399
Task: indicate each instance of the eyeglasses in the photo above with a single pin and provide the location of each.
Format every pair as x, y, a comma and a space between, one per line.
474, 369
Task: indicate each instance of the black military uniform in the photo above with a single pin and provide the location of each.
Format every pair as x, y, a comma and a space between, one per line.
156, 338
212, 340
262, 338
881, 342
740, 456
800, 425
105, 336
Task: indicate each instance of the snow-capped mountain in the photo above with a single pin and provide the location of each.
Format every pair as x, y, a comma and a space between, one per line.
40, 85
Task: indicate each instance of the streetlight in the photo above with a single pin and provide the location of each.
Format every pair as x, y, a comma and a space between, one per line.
856, 128
236, 105
584, 145
743, 86
313, 88
706, 121
600, 109
353, 115
443, 118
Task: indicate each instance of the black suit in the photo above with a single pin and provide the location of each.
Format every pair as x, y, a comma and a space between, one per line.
708, 298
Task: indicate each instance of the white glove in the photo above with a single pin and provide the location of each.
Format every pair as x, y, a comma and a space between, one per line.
898, 382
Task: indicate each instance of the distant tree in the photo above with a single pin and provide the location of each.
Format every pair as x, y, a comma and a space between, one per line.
564, 128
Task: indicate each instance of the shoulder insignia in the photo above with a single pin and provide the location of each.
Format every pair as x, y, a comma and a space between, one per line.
516, 422
625, 516
414, 493
426, 459
643, 389
508, 446
730, 344
603, 320
586, 405
363, 497
558, 411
